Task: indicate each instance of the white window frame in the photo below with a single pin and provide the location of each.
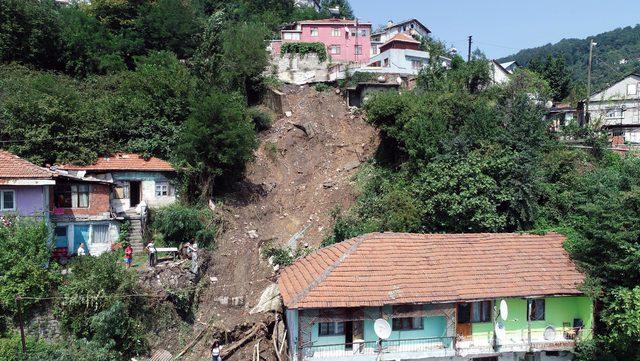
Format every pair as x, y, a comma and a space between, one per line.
13, 192
336, 48
162, 189
335, 32
633, 86
614, 113
417, 64
357, 49
314, 31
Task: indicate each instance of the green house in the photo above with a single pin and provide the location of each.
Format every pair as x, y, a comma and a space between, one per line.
398, 296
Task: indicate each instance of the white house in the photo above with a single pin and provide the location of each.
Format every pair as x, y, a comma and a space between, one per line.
399, 55
410, 27
500, 72
308, 3
617, 109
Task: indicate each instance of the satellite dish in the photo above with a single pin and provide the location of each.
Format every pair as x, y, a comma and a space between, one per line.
504, 310
549, 333
382, 328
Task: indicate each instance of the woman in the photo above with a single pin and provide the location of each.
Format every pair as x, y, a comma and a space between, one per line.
215, 351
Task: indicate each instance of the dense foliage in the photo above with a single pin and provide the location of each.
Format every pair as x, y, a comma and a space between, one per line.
615, 56
459, 155
304, 49
179, 223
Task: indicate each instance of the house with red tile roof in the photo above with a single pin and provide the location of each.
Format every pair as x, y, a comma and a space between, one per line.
24, 187
490, 296
140, 182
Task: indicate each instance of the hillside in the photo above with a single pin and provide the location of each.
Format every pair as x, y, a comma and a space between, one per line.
617, 54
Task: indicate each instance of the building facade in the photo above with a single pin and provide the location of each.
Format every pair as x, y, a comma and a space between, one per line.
443, 297
346, 40
24, 187
617, 110
401, 54
411, 27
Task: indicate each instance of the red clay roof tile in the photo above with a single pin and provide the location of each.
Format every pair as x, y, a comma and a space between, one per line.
124, 161
14, 167
398, 268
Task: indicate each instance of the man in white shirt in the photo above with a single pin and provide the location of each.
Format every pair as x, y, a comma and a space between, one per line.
81, 251
151, 248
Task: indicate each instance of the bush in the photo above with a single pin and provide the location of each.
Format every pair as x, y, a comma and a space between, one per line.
320, 87
24, 263
92, 307
261, 118
179, 223
304, 49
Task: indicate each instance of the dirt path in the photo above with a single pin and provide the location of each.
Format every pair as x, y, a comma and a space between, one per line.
302, 171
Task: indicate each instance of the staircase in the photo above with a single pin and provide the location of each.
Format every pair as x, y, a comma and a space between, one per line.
135, 232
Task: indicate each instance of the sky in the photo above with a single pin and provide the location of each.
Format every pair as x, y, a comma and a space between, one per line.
501, 28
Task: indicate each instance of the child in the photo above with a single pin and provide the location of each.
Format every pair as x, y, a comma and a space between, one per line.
128, 255
81, 251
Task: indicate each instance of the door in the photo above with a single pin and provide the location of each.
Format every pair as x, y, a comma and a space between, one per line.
80, 235
463, 320
134, 192
348, 335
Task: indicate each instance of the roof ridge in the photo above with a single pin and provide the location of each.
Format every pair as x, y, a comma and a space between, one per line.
323, 276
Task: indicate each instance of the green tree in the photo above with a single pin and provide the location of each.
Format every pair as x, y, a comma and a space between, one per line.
216, 142
343, 5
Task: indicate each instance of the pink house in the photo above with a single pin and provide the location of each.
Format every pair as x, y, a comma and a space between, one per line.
346, 40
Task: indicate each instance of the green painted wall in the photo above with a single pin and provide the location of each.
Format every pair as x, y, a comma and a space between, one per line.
557, 311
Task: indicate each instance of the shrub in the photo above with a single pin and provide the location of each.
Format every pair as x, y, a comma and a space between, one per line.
282, 255
320, 87
304, 49
261, 118
24, 263
179, 223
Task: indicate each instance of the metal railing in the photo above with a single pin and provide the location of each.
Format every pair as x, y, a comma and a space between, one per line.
438, 346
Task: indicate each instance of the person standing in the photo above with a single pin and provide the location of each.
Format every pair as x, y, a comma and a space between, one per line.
193, 249
151, 248
215, 351
128, 255
81, 251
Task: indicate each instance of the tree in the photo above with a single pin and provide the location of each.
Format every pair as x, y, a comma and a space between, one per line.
29, 33
215, 142
343, 5
24, 263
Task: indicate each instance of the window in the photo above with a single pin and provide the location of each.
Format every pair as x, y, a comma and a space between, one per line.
122, 190
335, 32
406, 323
358, 49
474, 312
536, 309
614, 113
60, 233
314, 31
375, 49
363, 32
416, 64
632, 89
330, 328
100, 233
162, 189
335, 49
481, 311
291, 36
7, 200
386, 62
71, 196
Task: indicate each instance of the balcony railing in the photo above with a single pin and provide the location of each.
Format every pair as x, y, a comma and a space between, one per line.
433, 346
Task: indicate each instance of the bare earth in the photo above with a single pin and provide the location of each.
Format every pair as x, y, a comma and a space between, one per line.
303, 170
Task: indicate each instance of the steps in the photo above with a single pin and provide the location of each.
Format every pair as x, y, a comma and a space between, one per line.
135, 232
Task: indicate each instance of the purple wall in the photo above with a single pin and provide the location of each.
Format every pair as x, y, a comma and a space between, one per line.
29, 199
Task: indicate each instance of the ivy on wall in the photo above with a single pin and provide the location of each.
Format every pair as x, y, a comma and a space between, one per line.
304, 49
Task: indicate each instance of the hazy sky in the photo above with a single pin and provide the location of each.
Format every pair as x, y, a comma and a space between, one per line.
500, 28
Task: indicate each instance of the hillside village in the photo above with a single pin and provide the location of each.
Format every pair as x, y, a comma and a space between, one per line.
265, 180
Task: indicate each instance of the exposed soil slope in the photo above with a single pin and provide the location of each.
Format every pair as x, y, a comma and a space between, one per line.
303, 170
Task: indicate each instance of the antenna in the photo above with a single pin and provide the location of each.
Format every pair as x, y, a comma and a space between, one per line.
382, 328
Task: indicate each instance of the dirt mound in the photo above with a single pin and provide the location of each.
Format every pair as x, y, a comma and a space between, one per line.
303, 170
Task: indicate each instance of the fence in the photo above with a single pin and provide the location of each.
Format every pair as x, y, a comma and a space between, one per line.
433, 346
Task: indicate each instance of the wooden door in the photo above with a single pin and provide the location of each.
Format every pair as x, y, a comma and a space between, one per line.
463, 320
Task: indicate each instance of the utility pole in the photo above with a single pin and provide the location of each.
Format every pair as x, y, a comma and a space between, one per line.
21, 322
469, 52
586, 109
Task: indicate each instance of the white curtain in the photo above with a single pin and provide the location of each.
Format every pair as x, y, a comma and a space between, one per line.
100, 233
